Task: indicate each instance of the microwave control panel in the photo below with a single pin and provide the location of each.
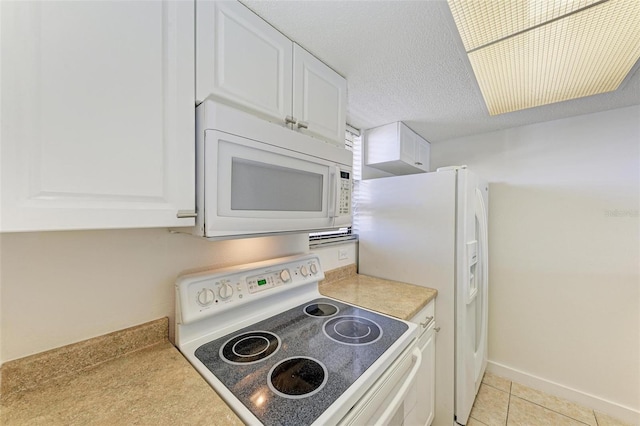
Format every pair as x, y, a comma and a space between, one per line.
345, 194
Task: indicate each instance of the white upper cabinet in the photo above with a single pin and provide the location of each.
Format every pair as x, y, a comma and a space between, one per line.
97, 115
320, 97
244, 61
396, 149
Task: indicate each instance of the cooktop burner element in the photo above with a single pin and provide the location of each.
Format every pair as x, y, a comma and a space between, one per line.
321, 310
249, 348
297, 377
352, 330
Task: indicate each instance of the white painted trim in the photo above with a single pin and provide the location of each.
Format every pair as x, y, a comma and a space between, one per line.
626, 414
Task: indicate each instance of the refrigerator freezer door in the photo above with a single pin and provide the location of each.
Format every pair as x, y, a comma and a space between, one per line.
471, 291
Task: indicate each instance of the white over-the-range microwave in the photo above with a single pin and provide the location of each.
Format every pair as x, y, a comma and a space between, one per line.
256, 178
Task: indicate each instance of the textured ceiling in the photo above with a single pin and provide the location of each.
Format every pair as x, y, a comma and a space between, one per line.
404, 61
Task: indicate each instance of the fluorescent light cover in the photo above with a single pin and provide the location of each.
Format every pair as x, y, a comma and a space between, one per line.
521, 60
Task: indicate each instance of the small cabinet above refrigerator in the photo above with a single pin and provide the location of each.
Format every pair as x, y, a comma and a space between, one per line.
396, 149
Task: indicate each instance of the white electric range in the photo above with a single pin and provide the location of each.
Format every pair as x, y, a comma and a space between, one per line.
279, 353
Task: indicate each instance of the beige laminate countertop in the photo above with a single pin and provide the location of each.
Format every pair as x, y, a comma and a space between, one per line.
397, 299
154, 385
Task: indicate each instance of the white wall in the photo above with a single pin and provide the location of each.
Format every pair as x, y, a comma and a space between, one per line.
338, 255
63, 287
564, 250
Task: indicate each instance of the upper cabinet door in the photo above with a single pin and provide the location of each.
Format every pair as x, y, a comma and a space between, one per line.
423, 149
408, 141
242, 59
97, 115
319, 98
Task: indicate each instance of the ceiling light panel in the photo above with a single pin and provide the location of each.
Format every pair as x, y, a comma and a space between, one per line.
483, 22
582, 54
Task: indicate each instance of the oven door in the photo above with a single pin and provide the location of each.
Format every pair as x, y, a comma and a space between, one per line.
253, 187
388, 401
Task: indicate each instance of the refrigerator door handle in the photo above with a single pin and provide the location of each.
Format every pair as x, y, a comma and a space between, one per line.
473, 289
472, 262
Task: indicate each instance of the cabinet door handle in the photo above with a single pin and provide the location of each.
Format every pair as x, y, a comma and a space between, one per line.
417, 163
183, 214
303, 125
428, 320
290, 120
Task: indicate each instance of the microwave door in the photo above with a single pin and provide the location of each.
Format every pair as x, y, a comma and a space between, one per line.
266, 189
254, 187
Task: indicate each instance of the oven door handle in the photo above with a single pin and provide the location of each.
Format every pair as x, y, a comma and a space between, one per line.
388, 413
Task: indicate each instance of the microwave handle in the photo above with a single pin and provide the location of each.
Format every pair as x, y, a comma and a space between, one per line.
334, 190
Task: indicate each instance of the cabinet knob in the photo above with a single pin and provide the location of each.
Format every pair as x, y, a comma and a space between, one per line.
290, 120
303, 125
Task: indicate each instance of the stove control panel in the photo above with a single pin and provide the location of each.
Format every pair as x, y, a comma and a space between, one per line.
207, 293
267, 281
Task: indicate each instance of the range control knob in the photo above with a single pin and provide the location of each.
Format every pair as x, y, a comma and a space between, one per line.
303, 271
206, 297
225, 291
285, 275
314, 268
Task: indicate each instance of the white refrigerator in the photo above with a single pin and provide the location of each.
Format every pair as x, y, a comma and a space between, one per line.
430, 229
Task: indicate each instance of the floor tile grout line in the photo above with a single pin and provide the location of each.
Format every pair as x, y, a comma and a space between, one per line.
506, 421
501, 390
549, 409
490, 409
482, 423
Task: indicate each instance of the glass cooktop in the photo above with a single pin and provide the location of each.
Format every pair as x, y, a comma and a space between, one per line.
290, 368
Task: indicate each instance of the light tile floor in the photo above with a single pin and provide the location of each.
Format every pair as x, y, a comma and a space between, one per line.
502, 402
